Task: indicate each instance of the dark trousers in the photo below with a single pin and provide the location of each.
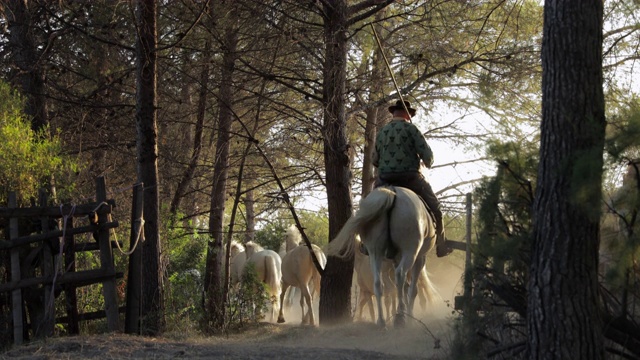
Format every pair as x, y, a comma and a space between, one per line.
419, 185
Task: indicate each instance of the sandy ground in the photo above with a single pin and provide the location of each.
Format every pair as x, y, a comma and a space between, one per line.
265, 341
428, 336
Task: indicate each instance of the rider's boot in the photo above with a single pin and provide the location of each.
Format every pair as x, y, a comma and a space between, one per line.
442, 248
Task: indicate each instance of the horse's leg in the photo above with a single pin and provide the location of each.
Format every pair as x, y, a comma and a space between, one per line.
304, 315
276, 294
375, 260
401, 278
291, 293
415, 278
306, 296
372, 311
285, 286
364, 299
389, 286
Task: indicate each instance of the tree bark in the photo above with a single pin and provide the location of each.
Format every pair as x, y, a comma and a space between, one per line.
187, 175
335, 289
563, 317
213, 275
152, 308
250, 213
28, 75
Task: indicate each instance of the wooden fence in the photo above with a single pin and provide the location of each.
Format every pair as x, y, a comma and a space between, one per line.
43, 263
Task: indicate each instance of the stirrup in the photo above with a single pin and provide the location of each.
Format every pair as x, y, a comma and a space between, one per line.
444, 250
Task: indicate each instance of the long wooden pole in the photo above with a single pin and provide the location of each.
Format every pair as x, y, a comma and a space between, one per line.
106, 262
134, 282
393, 78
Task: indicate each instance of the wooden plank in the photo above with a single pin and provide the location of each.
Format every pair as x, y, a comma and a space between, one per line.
106, 262
458, 245
134, 280
16, 295
92, 246
94, 315
78, 279
57, 211
55, 234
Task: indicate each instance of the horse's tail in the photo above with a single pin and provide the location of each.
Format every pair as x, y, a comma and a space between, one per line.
377, 203
271, 277
316, 278
426, 288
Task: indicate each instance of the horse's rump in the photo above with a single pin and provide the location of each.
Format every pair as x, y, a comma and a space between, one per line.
372, 208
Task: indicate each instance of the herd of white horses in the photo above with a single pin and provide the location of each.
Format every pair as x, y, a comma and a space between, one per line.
292, 269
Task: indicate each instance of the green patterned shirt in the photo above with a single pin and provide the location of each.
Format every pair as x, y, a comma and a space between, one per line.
399, 148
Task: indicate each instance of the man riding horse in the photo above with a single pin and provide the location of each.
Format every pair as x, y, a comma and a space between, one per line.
399, 148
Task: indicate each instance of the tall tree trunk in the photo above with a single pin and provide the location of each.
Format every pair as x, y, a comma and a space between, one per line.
563, 317
28, 75
335, 291
249, 212
152, 308
213, 274
187, 176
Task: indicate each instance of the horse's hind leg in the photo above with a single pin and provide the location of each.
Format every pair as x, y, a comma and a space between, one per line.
375, 261
401, 278
416, 271
305, 295
285, 286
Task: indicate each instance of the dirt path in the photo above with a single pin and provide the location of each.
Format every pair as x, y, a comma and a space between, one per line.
360, 340
265, 341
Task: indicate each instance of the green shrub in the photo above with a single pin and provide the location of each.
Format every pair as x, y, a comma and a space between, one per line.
249, 301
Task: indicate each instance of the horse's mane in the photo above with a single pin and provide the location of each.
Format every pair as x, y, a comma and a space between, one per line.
292, 238
236, 245
252, 248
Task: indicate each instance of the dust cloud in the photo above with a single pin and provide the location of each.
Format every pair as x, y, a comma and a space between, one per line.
428, 335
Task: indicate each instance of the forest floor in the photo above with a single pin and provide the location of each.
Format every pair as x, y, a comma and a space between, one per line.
263, 341
428, 336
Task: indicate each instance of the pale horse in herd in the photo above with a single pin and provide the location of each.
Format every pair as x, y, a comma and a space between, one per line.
267, 264
299, 271
390, 217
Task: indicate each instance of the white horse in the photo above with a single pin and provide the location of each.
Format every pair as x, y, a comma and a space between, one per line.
292, 238
238, 257
298, 270
390, 218
267, 264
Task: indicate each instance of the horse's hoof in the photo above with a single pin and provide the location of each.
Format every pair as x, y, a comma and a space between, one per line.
399, 321
280, 320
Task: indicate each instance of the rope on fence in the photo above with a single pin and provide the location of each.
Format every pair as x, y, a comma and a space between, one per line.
139, 222
65, 217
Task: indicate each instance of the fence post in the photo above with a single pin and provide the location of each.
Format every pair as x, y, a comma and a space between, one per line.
468, 266
16, 295
71, 297
47, 271
134, 278
106, 261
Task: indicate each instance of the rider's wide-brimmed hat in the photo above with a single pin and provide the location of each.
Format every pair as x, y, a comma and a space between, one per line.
398, 106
